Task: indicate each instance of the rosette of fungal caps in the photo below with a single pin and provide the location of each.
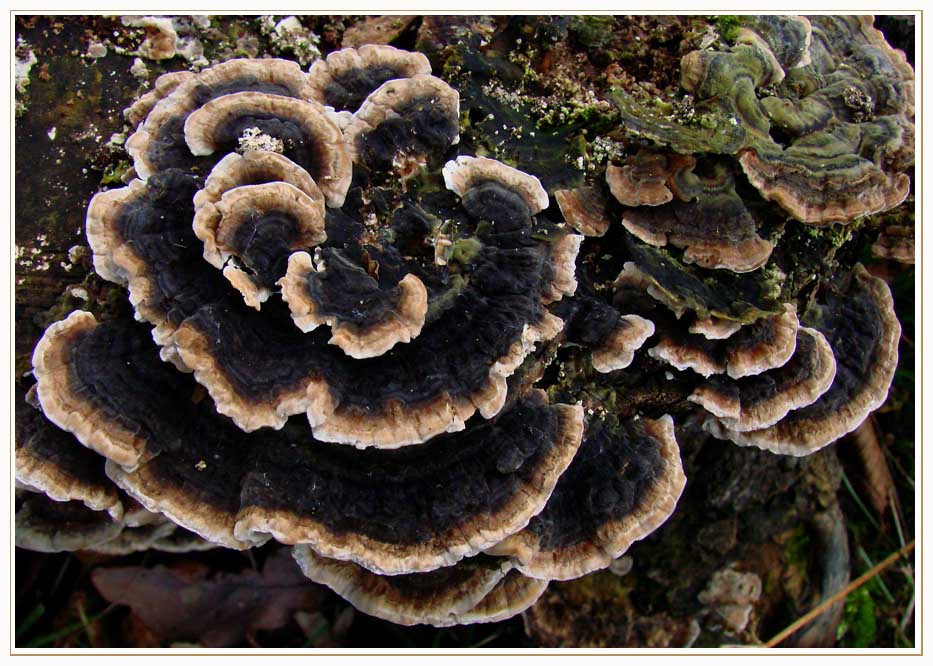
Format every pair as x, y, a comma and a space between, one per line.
342, 332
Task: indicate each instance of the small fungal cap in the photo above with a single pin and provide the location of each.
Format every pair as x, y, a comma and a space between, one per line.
46, 526
466, 172
103, 234
585, 209
67, 405
618, 350
347, 77
49, 461
755, 348
714, 328
480, 589
858, 320
762, 400
709, 221
404, 121
256, 168
141, 233
164, 86
159, 142
222, 226
741, 297
623, 484
308, 129
856, 192
896, 242
643, 180
135, 539
365, 321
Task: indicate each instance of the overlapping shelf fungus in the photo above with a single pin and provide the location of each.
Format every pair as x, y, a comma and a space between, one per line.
360, 336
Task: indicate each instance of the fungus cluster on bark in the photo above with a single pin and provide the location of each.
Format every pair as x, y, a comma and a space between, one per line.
339, 326
782, 371
818, 111
350, 338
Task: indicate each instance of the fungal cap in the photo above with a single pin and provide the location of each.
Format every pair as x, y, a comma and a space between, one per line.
399, 324
164, 86
46, 526
645, 178
896, 242
857, 192
283, 75
863, 376
389, 100
466, 172
111, 261
596, 550
480, 590
766, 344
631, 192
446, 546
761, 401
400, 425
254, 168
182, 509
334, 71
585, 210
68, 408
333, 170
217, 225
618, 350
564, 251
714, 328
134, 539
742, 256
47, 460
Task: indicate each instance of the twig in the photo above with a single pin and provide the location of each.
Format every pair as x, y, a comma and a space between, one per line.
895, 510
489, 639
34, 615
897, 465
841, 594
881, 585
858, 501
908, 613
61, 573
48, 639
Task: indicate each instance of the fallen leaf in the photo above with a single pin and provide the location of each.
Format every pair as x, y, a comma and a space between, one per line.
874, 474
186, 603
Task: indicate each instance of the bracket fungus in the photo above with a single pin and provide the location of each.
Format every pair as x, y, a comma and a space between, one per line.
481, 589
365, 321
767, 343
280, 288
390, 351
822, 116
65, 501
819, 112
708, 220
584, 209
857, 319
346, 77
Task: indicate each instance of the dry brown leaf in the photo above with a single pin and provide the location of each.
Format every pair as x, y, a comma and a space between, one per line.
877, 483
185, 603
